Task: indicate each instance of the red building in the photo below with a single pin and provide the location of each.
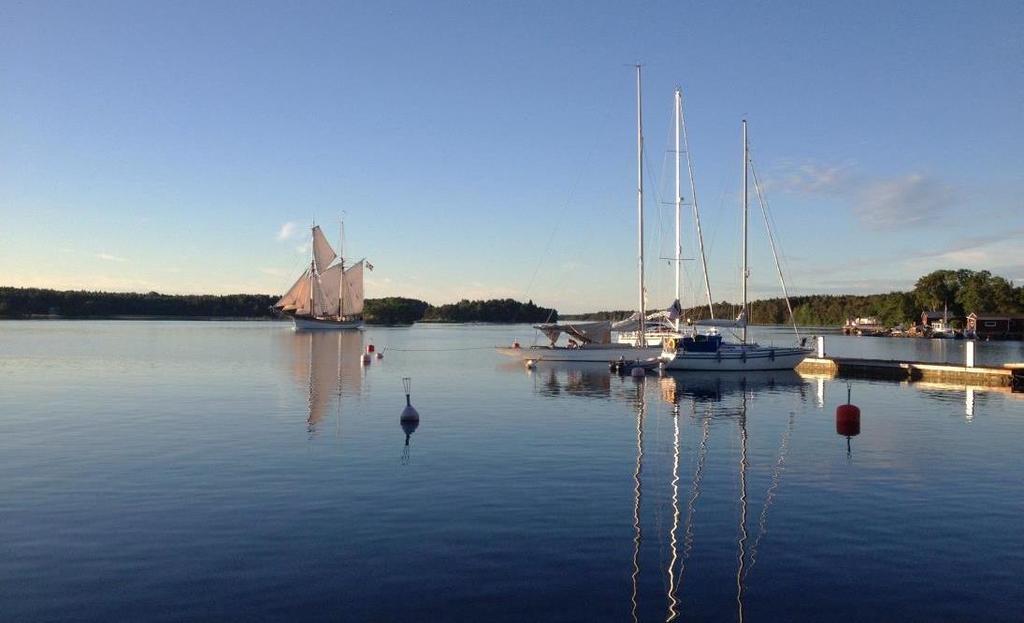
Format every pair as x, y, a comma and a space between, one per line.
996, 326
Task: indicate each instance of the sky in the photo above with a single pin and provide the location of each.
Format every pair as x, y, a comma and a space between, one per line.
486, 149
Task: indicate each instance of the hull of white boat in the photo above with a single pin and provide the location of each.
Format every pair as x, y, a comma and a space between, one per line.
735, 360
597, 354
324, 324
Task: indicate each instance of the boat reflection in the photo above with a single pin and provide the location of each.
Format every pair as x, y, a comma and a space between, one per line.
704, 387
580, 382
715, 400
327, 365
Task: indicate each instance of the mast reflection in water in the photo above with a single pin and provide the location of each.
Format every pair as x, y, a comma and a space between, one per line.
706, 401
327, 365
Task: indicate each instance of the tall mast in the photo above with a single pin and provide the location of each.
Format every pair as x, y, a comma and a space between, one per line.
312, 270
641, 333
341, 277
746, 273
679, 204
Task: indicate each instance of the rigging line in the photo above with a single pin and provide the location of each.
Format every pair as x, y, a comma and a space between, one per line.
769, 496
691, 503
771, 239
657, 194
554, 230
693, 201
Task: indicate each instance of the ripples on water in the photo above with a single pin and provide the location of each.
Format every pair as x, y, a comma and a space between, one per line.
239, 471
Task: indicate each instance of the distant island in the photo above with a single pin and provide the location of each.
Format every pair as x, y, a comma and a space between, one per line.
20, 303
958, 291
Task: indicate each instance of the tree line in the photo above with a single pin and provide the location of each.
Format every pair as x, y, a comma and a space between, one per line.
961, 292
39, 302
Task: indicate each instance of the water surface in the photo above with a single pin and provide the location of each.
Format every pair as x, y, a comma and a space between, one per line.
239, 471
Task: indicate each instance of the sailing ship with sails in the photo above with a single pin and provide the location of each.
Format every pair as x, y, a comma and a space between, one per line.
328, 295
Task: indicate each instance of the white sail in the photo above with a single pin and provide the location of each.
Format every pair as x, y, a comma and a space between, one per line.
297, 297
323, 254
330, 286
352, 298
321, 305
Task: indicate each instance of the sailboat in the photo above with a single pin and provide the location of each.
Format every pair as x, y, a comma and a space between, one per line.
327, 295
664, 325
710, 351
591, 341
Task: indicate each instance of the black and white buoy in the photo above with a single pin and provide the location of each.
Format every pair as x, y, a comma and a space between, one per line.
409, 413
410, 419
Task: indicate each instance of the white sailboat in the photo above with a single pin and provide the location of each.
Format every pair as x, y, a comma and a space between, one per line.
711, 352
591, 341
664, 325
327, 295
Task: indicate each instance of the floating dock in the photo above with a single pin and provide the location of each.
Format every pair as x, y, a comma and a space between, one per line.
1009, 375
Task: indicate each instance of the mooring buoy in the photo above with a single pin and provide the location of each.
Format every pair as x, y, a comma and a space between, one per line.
848, 420
409, 413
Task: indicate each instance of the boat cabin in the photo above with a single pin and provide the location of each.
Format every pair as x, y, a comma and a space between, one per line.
996, 326
700, 343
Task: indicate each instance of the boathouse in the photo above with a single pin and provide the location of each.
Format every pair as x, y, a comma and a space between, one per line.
996, 326
937, 319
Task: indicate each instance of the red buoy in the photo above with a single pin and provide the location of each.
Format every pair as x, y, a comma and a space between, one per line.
369, 348
848, 420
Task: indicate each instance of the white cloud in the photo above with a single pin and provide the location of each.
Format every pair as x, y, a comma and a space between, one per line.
110, 258
913, 199
274, 272
288, 230
302, 249
815, 179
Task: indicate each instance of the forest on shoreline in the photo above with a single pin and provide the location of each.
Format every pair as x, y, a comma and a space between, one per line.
23, 303
960, 291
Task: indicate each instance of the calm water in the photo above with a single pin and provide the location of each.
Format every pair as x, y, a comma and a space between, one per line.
239, 471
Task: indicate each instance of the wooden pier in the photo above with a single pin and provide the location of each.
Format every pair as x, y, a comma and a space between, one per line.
1009, 375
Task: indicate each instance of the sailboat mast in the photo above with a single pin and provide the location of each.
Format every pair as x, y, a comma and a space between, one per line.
679, 205
341, 277
641, 332
312, 269
746, 272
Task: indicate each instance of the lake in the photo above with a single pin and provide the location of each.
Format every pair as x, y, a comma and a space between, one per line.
238, 471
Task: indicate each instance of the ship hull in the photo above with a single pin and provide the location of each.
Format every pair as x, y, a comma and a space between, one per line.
737, 360
605, 353
300, 323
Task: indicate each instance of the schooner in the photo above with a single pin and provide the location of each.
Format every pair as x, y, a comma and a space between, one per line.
327, 295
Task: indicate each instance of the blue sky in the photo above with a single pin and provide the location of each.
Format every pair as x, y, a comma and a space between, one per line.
487, 149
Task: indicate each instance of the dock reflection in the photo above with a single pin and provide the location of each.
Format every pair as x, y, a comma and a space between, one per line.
327, 365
